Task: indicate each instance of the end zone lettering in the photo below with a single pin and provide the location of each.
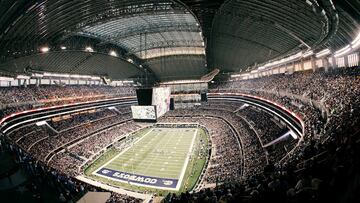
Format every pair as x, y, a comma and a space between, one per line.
135, 178
139, 179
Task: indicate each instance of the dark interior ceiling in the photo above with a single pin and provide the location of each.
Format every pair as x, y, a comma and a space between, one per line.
250, 32
173, 39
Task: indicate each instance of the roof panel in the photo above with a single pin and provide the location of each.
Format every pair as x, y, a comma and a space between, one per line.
159, 52
149, 31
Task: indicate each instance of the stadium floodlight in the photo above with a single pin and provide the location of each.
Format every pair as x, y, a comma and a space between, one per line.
63, 47
235, 75
46, 74
113, 53
356, 42
41, 123
293, 135
37, 75
25, 77
284, 60
89, 49
307, 54
343, 51
95, 78
44, 49
6, 79
75, 76
322, 53
130, 60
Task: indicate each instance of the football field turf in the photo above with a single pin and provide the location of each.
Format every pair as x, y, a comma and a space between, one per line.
158, 159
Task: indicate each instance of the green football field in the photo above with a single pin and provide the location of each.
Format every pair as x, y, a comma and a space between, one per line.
161, 154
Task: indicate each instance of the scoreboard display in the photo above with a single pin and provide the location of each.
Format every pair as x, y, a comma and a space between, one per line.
152, 103
161, 99
143, 112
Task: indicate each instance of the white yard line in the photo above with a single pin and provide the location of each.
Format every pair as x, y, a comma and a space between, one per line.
148, 162
186, 162
182, 174
94, 173
157, 155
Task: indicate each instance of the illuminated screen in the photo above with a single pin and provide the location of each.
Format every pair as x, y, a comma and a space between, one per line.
143, 112
161, 99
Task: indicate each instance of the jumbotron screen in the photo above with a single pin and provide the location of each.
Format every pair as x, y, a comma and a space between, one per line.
143, 112
156, 99
161, 99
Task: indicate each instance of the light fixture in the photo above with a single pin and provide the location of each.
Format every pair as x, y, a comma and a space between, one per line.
307, 54
113, 53
37, 75
63, 47
89, 49
24, 77
44, 49
322, 53
283, 60
6, 79
41, 123
343, 51
356, 42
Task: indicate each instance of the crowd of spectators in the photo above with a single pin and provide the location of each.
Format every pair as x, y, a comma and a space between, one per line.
68, 188
324, 165
57, 92
119, 198
225, 162
252, 153
96, 143
36, 142
70, 121
240, 166
42, 148
15, 99
41, 140
268, 129
222, 105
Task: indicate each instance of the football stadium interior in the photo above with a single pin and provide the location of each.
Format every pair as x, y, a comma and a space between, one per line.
106, 101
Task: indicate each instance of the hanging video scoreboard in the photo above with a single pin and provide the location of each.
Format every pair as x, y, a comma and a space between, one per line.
152, 103
143, 112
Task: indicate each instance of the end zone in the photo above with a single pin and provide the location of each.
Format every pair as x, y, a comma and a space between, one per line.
139, 180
